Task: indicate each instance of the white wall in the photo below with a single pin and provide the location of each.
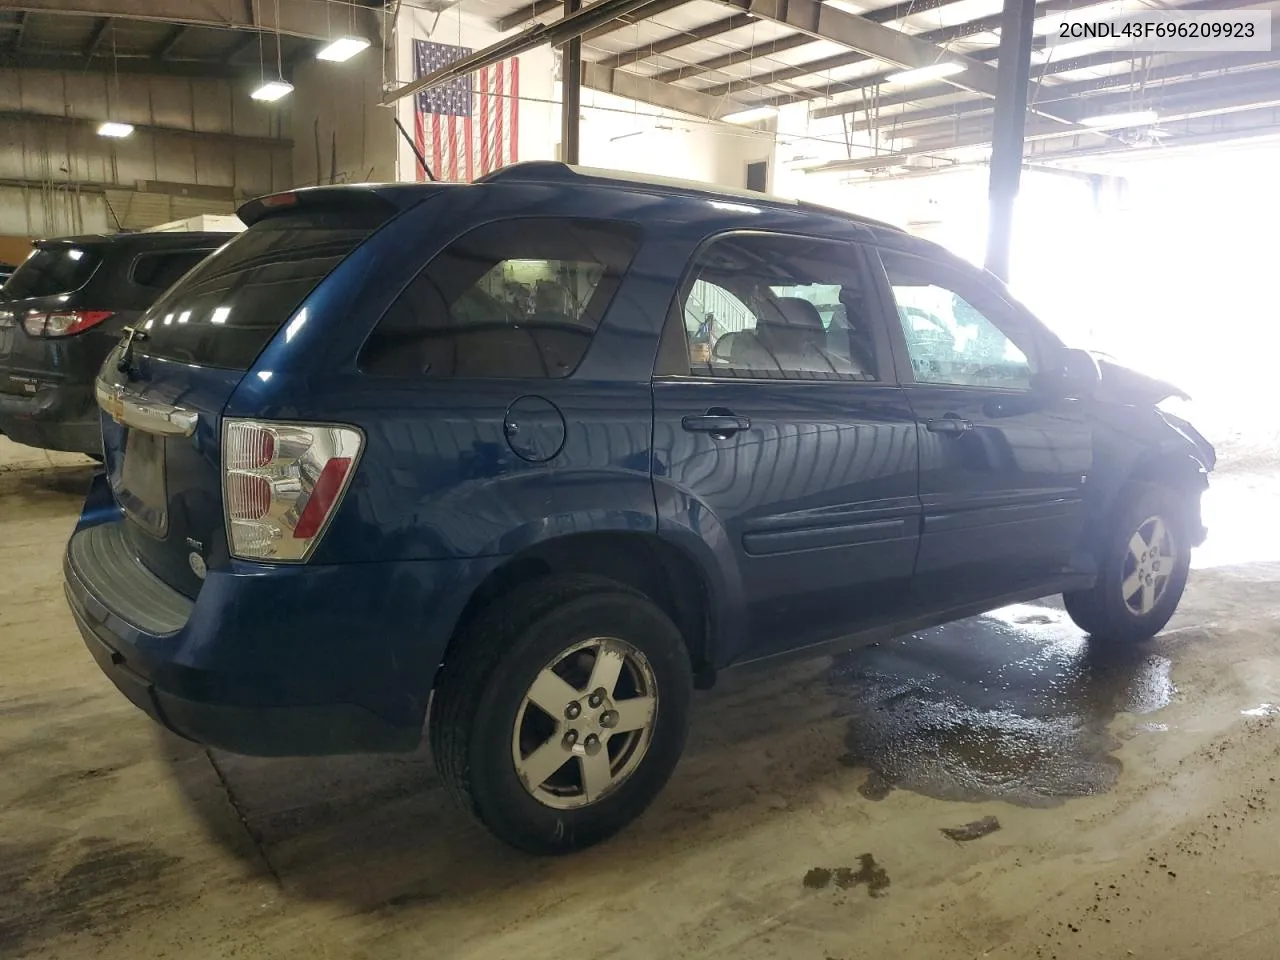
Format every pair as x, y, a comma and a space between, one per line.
640, 138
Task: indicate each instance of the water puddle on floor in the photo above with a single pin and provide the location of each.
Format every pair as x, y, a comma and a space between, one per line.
1009, 706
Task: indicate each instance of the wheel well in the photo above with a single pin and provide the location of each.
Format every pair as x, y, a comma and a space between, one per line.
1181, 473
1177, 471
662, 572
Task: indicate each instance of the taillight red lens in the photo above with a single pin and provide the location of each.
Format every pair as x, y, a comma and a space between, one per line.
323, 496
63, 323
248, 496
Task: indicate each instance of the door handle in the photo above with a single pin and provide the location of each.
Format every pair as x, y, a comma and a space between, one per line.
720, 424
951, 425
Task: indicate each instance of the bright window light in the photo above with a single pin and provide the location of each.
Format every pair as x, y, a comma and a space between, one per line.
751, 115
1135, 118
117, 130
272, 90
934, 71
343, 49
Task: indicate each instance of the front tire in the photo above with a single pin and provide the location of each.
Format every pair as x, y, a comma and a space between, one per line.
562, 711
1143, 564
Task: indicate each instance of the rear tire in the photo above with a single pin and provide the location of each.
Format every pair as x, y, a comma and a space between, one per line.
1143, 562
498, 723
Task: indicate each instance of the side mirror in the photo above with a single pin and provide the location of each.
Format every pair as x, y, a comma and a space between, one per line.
1073, 373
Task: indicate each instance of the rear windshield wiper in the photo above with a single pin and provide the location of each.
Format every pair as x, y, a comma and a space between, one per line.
131, 335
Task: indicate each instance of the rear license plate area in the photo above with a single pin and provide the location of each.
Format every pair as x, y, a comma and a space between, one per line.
140, 487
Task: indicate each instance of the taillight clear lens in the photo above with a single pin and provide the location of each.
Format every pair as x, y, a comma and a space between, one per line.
63, 324
282, 483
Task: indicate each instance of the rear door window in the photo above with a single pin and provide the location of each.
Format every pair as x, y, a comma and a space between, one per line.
228, 308
51, 271
516, 298
780, 308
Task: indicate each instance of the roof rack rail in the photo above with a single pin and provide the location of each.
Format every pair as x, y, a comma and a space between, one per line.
553, 171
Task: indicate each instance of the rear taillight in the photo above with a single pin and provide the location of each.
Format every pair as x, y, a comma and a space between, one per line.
282, 483
63, 323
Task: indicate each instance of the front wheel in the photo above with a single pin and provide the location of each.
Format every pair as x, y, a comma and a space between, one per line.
562, 712
1142, 570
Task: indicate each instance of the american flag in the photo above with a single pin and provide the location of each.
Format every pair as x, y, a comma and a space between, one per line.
468, 126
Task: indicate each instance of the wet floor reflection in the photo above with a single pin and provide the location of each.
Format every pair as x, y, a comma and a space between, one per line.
1011, 706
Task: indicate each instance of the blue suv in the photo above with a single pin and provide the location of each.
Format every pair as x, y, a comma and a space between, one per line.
537, 456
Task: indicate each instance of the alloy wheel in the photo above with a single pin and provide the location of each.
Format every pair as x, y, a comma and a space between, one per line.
585, 723
1148, 566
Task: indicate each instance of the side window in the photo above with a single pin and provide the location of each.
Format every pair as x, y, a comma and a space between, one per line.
515, 298
781, 308
957, 331
160, 271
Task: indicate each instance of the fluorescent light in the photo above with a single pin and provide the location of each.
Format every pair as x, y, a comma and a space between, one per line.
343, 49
110, 129
272, 90
934, 71
751, 115
220, 315
1137, 118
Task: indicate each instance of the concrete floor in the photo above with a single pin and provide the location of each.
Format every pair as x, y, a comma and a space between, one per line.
1134, 793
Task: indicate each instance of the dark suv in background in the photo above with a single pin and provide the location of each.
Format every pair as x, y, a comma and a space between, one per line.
61, 313
549, 450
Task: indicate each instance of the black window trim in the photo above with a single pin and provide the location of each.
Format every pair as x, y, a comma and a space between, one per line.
673, 328
902, 358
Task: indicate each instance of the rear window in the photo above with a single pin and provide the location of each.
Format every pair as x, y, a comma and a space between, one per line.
51, 271
159, 271
516, 298
226, 310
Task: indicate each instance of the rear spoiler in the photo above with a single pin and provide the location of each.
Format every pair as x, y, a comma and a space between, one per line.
385, 200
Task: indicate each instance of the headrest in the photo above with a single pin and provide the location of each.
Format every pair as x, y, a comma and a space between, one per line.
797, 314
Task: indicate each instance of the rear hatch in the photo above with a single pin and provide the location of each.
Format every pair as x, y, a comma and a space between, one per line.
39, 309
165, 386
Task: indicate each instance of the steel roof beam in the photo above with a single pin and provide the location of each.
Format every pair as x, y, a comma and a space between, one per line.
95, 39
665, 95
1169, 75
1193, 99
884, 43
768, 48
934, 90
883, 15
534, 10
171, 41
681, 39
295, 17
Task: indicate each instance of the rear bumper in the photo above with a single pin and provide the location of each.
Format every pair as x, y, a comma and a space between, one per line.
257, 731
55, 417
265, 662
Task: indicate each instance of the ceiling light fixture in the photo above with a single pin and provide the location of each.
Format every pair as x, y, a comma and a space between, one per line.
343, 49
750, 115
1135, 118
934, 71
272, 91
117, 130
